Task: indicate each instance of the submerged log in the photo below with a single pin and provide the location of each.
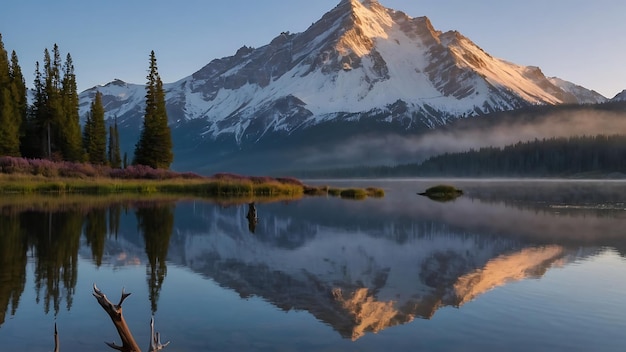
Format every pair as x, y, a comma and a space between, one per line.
252, 217
115, 313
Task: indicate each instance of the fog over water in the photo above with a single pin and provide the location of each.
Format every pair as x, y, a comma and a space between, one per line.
398, 149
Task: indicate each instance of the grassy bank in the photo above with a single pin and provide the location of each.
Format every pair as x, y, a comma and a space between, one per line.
26, 184
25, 176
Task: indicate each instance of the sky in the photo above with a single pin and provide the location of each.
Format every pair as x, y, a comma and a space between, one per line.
580, 41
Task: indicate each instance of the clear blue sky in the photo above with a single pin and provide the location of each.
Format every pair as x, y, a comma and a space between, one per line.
581, 41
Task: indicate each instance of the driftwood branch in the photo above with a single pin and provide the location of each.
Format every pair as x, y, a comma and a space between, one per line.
155, 339
115, 313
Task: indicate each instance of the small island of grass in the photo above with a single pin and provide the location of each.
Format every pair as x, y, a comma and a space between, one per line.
442, 193
349, 193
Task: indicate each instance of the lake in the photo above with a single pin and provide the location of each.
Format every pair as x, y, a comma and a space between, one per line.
509, 266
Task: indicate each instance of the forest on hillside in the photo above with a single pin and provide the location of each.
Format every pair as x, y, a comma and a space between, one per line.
578, 156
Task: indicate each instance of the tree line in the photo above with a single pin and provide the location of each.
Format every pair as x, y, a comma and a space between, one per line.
553, 157
600, 154
49, 127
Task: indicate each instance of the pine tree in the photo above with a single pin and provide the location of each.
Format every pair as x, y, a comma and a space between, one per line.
51, 106
115, 160
154, 147
19, 95
35, 135
51, 127
94, 133
9, 127
69, 133
87, 132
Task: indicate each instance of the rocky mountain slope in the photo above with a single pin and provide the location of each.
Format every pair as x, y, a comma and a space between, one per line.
361, 66
620, 96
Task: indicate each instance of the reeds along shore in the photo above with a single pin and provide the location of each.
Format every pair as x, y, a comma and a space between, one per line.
24, 176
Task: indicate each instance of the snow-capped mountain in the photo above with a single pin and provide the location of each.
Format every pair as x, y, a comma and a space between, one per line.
620, 96
582, 94
361, 62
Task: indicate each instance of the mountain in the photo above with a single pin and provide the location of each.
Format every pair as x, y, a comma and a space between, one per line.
582, 94
361, 69
620, 96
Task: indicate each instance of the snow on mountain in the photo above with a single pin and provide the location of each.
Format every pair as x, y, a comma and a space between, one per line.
362, 68
582, 94
119, 99
620, 96
360, 59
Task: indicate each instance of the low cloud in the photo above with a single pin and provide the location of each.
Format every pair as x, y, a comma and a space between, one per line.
395, 149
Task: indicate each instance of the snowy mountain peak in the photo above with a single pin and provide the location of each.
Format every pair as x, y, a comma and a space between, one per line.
360, 62
620, 96
582, 94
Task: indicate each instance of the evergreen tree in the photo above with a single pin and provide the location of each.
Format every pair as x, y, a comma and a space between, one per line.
52, 128
87, 132
19, 95
51, 106
34, 139
9, 131
94, 134
55, 102
115, 160
154, 147
9, 126
69, 132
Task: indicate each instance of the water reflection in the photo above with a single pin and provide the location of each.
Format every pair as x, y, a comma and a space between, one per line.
359, 267
96, 232
155, 222
53, 238
13, 258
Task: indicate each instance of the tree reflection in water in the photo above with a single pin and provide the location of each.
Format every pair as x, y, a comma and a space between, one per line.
13, 248
52, 237
359, 267
95, 233
156, 222
55, 239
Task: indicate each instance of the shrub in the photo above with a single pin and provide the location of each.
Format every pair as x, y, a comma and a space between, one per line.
335, 192
354, 193
44, 167
315, 191
13, 165
442, 193
375, 192
289, 181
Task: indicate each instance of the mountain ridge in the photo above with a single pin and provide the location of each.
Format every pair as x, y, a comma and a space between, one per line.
360, 62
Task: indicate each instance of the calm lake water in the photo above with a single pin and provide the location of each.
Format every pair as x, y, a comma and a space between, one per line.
510, 266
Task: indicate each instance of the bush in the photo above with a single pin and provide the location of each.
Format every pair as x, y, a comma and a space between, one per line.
12, 165
375, 192
442, 193
44, 167
354, 193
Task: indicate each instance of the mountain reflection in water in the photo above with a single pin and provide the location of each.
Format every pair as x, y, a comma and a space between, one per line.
358, 267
